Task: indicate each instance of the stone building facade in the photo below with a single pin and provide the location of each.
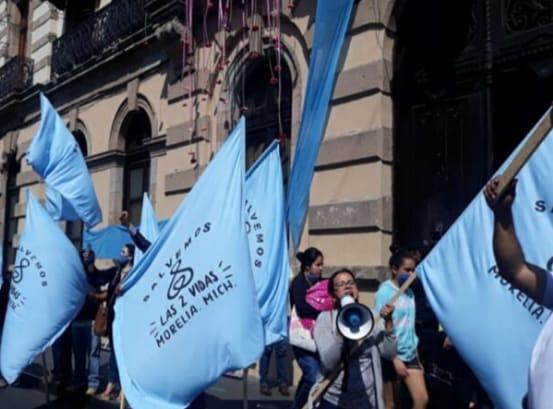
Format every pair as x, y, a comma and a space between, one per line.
148, 119
428, 101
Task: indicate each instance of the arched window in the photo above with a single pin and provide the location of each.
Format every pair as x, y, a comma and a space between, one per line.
258, 91
74, 229
136, 130
81, 141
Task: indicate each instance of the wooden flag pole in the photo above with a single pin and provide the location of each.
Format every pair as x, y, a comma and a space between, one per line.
122, 403
538, 135
245, 374
45, 376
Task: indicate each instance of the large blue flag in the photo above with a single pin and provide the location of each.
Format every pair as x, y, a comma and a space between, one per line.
55, 156
149, 227
331, 23
493, 325
268, 244
48, 288
191, 299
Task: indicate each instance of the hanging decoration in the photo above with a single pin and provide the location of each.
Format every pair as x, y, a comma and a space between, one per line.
204, 63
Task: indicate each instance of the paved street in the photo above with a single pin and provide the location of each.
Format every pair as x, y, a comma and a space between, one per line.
29, 393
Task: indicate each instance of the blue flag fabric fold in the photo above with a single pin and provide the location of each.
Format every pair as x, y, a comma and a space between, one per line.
331, 23
149, 227
48, 288
268, 244
55, 156
108, 241
191, 299
493, 325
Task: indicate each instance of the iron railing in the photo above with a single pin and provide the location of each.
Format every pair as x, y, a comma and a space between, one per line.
526, 15
97, 35
16, 75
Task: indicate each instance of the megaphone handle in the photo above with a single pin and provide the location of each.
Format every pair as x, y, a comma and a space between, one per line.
327, 381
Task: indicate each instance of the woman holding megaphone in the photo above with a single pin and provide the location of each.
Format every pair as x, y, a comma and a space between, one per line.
337, 332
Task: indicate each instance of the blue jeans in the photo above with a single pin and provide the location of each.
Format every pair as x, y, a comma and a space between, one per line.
309, 365
86, 351
281, 349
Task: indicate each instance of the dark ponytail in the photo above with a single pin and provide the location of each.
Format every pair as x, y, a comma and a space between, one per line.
399, 254
308, 257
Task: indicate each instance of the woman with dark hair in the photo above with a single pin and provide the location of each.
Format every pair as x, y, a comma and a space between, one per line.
359, 385
86, 343
407, 364
310, 273
114, 290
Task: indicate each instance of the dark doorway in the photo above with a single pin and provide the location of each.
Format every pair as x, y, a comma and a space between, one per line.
440, 149
522, 94
465, 94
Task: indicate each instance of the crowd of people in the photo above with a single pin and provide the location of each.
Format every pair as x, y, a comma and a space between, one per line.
392, 367
76, 353
406, 361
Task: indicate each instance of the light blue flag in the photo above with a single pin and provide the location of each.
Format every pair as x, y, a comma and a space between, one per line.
149, 227
108, 241
493, 325
331, 23
268, 244
55, 156
48, 288
191, 300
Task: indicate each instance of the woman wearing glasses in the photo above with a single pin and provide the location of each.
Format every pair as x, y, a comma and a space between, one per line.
359, 385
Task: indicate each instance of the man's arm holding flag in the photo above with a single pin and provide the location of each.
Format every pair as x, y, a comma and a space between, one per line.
509, 256
139, 240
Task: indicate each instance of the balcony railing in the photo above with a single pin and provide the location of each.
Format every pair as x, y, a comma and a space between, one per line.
15, 76
98, 34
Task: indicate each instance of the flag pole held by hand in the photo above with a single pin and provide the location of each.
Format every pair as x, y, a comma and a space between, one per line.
536, 138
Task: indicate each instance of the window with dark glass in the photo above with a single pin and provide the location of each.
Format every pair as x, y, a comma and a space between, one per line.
12, 197
77, 12
74, 229
267, 117
23, 10
136, 130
